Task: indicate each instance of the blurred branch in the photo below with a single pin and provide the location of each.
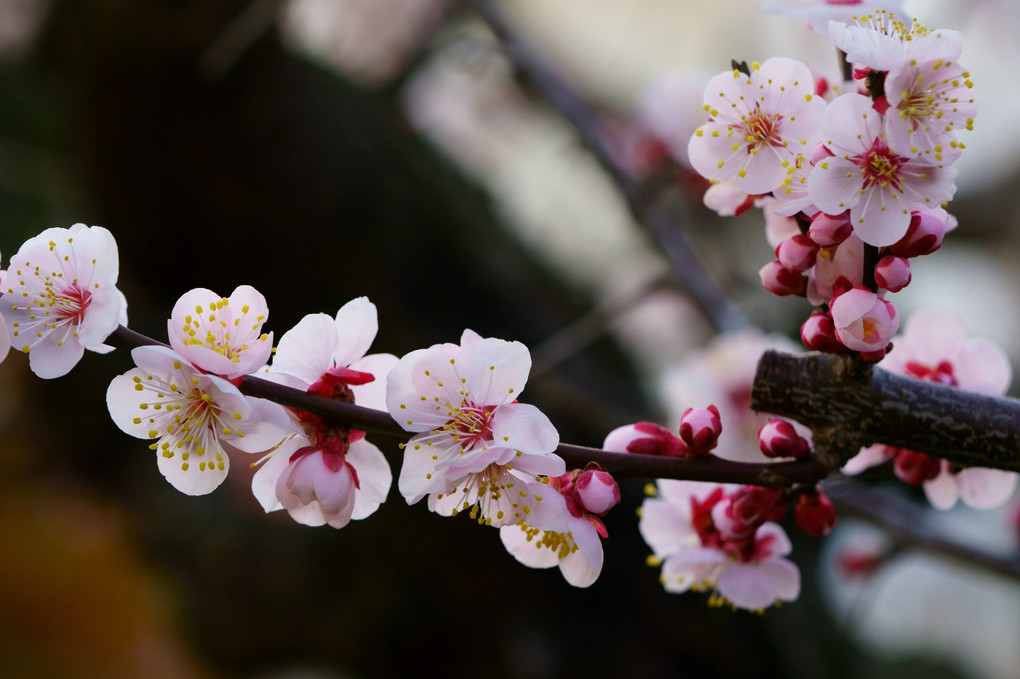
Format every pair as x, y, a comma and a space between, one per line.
911, 526
722, 312
238, 35
866, 405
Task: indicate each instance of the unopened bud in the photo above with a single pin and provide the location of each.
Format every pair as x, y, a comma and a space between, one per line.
818, 333
781, 281
815, 514
892, 273
645, 438
700, 429
829, 230
778, 438
915, 468
797, 253
597, 491
925, 233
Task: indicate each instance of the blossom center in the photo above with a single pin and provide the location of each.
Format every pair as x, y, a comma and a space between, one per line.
880, 167
762, 129
471, 424
71, 303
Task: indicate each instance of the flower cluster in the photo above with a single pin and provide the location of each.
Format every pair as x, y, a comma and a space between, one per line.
720, 539
853, 186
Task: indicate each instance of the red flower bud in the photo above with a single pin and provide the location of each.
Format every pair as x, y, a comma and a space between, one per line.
815, 514
700, 429
778, 438
779, 280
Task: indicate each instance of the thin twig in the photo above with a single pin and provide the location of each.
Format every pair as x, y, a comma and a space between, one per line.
715, 305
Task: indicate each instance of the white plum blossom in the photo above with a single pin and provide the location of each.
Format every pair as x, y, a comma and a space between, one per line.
928, 102
577, 500
747, 572
189, 415
881, 42
475, 448
818, 13
60, 297
867, 177
326, 473
759, 124
222, 335
935, 347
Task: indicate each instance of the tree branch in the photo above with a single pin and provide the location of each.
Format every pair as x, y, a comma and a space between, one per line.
831, 393
577, 457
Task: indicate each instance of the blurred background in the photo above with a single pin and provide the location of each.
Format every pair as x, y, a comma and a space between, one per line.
324, 149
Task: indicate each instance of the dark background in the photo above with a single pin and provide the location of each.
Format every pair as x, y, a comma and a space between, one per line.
282, 175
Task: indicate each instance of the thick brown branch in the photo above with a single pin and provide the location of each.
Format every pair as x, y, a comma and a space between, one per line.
837, 393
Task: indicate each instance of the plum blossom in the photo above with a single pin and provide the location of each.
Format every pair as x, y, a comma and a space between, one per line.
881, 42
867, 177
760, 122
222, 335
475, 448
701, 548
190, 416
577, 549
863, 320
818, 13
324, 472
60, 297
935, 347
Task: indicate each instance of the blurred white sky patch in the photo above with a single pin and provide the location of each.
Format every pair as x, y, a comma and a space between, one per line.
921, 606
20, 21
367, 40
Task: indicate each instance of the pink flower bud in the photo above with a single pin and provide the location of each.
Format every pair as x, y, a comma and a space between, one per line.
728, 523
778, 438
829, 230
819, 334
797, 253
700, 429
779, 280
864, 321
645, 438
815, 514
892, 273
925, 233
915, 468
597, 491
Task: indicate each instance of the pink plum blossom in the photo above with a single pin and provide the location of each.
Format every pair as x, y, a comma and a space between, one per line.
222, 335
748, 572
863, 320
935, 347
189, 415
865, 176
60, 297
474, 446
577, 550
323, 472
759, 124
